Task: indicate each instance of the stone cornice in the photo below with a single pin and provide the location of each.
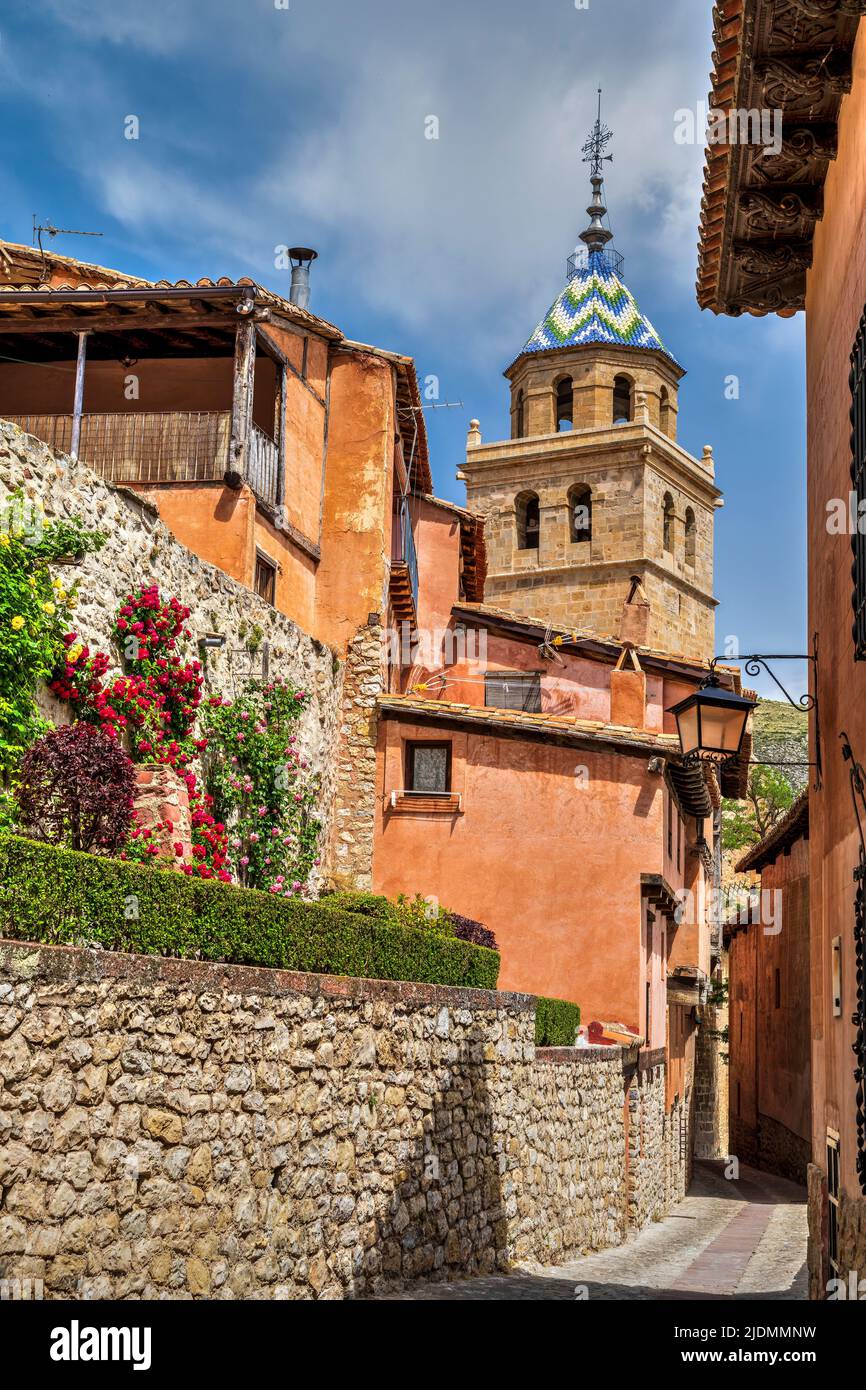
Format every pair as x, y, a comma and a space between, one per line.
555, 455
627, 566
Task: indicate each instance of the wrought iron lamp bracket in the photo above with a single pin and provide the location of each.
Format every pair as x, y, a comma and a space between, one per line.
756, 662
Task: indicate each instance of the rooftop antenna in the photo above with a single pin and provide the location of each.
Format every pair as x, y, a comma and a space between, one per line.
52, 231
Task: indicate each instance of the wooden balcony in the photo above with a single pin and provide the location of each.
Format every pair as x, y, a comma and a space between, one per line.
163, 446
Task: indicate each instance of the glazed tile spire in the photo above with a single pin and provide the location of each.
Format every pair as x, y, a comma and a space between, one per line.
596, 306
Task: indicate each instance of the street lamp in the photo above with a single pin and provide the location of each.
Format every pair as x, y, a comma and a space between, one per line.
711, 722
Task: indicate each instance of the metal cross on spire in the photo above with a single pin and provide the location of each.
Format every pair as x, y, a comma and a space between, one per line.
599, 139
596, 236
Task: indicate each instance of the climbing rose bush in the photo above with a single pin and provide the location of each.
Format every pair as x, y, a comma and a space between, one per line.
262, 787
152, 704
77, 788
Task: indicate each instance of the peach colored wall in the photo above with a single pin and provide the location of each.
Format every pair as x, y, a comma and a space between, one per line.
223, 525
304, 427
356, 523
770, 1044
437, 544
182, 383
835, 300
549, 861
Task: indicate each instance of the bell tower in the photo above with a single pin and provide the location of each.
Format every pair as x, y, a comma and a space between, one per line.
592, 489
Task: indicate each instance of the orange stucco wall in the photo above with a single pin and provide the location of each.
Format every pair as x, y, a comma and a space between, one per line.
546, 855
769, 1023
359, 479
835, 300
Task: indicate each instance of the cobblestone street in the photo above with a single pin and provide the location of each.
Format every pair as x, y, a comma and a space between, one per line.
726, 1240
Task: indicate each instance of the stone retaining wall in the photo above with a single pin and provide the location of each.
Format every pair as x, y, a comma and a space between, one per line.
180, 1129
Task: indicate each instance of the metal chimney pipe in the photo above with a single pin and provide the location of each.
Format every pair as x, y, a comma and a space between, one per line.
302, 258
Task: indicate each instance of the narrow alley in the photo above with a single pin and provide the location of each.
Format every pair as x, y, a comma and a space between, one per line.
726, 1240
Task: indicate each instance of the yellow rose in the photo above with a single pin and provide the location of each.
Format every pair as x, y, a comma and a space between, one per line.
17, 623
73, 603
49, 609
61, 594
74, 652
4, 539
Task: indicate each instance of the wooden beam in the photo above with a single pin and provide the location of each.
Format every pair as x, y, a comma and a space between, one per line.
242, 396
112, 324
281, 435
78, 401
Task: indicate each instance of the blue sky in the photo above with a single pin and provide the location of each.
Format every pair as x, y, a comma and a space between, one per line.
262, 126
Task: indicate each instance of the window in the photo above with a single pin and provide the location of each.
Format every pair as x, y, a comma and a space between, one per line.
519, 414
621, 400
833, 1200
777, 988
428, 768
564, 404
266, 578
691, 536
668, 523
649, 1011
664, 411
670, 826
580, 513
528, 521
857, 383
513, 690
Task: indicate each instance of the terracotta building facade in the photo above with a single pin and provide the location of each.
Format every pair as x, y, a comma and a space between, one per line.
770, 1064
768, 246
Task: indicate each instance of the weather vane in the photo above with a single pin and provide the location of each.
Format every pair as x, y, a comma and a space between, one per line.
594, 149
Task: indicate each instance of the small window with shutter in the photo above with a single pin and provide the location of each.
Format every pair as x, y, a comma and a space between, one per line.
513, 690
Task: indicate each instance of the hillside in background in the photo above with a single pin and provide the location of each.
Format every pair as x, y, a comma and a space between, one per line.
780, 734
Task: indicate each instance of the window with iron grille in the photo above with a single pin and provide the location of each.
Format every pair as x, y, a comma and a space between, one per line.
857, 383
266, 578
428, 768
513, 690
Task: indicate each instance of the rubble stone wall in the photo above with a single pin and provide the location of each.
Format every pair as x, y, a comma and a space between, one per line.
179, 1129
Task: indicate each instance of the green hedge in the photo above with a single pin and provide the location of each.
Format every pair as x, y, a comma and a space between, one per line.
556, 1022
59, 896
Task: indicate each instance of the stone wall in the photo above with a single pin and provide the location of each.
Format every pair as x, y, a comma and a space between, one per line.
181, 1129
711, 1085
141, 550
851, 1239
349, 856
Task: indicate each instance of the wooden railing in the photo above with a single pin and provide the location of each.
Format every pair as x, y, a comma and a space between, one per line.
162, 446
264, 467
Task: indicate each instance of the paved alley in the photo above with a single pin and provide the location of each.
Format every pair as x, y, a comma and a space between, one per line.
726, 1240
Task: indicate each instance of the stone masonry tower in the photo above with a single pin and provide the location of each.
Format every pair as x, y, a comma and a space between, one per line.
592, 489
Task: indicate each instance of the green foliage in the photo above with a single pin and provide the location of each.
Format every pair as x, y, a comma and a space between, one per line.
366, 904
425, 913
60, 896
35, 612
556, 1022
262, 787
770, 795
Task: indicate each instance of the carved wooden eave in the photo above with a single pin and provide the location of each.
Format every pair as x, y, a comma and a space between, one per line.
759, 208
